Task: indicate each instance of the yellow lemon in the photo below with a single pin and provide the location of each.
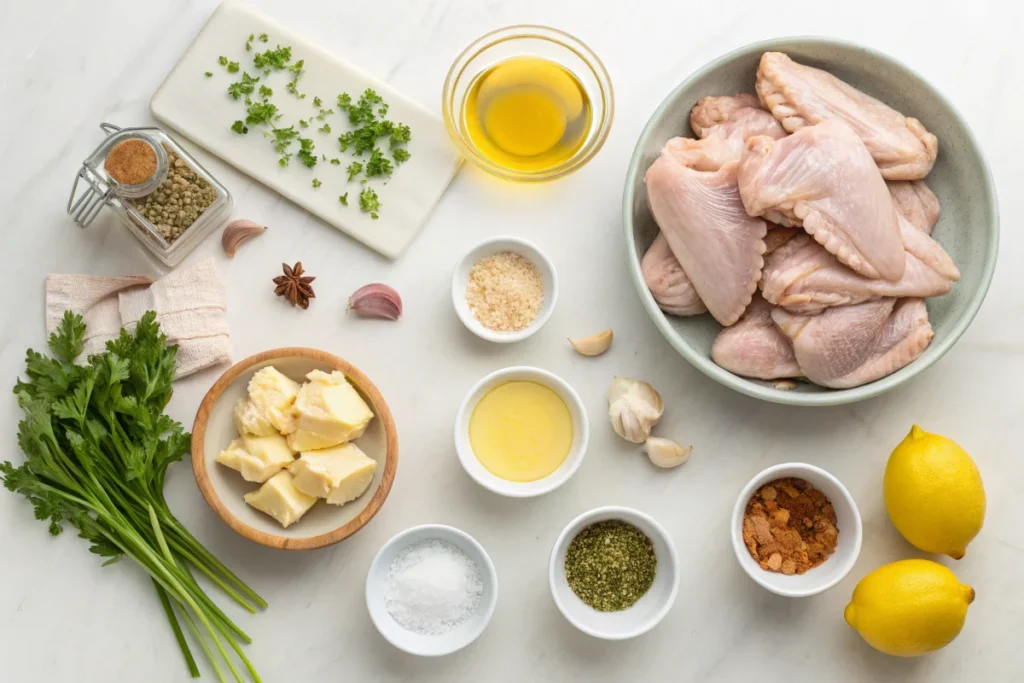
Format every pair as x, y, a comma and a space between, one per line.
909, 608
933, 493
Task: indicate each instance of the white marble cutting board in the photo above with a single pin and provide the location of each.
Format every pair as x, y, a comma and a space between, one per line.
200, 108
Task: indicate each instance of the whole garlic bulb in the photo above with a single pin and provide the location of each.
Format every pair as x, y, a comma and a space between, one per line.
665, 452
633, 407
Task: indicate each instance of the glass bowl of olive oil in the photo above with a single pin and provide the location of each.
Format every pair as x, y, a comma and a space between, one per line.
528, 103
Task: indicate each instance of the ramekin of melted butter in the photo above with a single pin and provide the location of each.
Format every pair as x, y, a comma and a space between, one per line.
527, 114
521, 431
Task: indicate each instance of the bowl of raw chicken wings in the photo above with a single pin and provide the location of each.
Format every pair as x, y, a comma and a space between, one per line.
809, 222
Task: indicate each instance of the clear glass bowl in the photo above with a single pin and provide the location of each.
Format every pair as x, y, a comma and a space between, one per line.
534, 41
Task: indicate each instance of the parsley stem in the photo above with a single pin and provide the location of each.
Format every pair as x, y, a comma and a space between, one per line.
190, 661
202, 643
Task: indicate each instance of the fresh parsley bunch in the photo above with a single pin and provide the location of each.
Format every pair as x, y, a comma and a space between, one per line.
97, 446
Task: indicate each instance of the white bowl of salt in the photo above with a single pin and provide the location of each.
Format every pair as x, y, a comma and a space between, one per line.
431, 590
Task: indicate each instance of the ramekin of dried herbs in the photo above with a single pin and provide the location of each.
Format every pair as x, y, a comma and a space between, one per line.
614, 573
164, 196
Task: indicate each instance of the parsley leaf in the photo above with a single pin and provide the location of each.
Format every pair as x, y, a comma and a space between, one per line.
283, 137
223, 60
401, 155
208, 74
316, 183
276, 59
304, 123
326, 128
354, 169
260, 112
264, 38
248, 43
378, 165
266, 92
336, 161
400, 135
232, 67
305, 154
343, 199
316, 101
243, 87
239, 127
369, 202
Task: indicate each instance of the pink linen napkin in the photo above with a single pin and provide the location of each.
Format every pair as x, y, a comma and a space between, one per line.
190, 306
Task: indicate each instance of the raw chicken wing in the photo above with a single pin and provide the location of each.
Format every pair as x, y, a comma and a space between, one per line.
915, 202
668, 283
700, 213
804, 278
823, 178
833, 344
849, 346
729, 115
754, 346
800, 96
905, 336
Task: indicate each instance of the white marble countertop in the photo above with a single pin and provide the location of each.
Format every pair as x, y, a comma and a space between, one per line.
70, 64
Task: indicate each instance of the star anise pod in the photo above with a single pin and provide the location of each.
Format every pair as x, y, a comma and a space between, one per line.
295, 286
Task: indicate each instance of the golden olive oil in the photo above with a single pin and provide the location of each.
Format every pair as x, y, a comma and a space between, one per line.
521, 431
527, 114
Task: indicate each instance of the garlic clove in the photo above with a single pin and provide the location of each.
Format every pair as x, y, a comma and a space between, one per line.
665, 452
238, 231
594, 345
784, 384
376, 301
633, 408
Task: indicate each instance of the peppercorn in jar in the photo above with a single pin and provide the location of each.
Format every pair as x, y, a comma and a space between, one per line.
155, 187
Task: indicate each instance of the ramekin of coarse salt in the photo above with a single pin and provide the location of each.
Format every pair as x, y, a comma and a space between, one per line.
431, 590
504, 289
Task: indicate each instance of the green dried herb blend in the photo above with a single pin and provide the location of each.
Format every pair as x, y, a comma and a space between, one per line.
610, 565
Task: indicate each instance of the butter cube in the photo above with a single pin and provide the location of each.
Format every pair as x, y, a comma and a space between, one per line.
252, 467
272, 451
280, 499
329, 411
273, 394
249, 420
339, 474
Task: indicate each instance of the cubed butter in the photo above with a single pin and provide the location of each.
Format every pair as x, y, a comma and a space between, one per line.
274, 395
249, 419
329, 411
339, 474
252, 467
279, 498
272, 451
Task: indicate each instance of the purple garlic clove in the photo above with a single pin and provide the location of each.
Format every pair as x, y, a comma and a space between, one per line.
376, 301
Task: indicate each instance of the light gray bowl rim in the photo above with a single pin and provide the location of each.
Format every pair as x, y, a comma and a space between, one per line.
750, 387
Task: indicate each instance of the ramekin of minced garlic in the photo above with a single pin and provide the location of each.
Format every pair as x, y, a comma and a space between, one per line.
504, 289
167, 199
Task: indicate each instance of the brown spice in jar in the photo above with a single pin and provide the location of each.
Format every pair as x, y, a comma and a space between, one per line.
131, 162
178, 201
789, 526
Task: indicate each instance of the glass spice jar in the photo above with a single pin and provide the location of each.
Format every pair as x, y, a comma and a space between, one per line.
170, 211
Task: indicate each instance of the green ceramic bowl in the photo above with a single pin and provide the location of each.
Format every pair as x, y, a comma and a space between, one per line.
968, 227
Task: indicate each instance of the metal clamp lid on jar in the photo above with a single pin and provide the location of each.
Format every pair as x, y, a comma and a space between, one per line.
100, 188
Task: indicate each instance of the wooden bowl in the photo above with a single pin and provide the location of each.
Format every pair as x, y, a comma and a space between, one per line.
223, 488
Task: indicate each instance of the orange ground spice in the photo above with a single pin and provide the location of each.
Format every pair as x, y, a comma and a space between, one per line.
131, 162
789, 526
